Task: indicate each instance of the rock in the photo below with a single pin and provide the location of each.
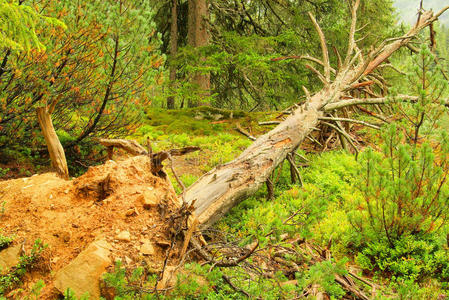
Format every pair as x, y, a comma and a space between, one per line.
168, 279
163, 243
9, 257
130, 212
148, 199
124, 236
147, 248
83, 274
128, 260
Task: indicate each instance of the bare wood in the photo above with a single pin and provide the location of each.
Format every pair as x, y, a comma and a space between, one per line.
55, 149
425, 20
270, 123
360, 101
326, 62
129, 146
350, 121
188, 237
244, 132
352, 32
344, 134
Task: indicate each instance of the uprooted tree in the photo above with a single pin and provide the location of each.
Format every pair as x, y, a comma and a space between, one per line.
225, 186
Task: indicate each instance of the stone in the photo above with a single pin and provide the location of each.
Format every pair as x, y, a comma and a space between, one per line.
9, 257
163, 243
168, 279
124, 236
130, 212
147, 248
148, 199
83, 274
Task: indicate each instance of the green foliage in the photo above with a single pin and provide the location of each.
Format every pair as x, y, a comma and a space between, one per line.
5, 241
18, 26
130, 287
411, 257
404, 188
323, 273
14, 276
69, 294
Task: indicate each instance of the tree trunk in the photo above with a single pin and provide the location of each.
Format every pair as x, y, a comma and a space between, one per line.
198, 36
216, 192
57, 155
173, 50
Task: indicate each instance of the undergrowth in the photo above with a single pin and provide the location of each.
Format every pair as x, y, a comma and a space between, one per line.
26, 261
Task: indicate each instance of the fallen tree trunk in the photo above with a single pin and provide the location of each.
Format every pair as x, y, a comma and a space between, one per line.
225, 186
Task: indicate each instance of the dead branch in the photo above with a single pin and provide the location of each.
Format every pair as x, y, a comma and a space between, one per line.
358, 101
350, 121
291, 160
345, 134
270, 123
129, 146
228, 281
244, 132
326, 62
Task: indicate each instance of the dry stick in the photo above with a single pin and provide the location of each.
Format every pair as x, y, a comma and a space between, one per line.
228, 281
239, 260
293, 164
327, 73
368, 101
352, 32
244, 132
188, 236
270, 123
312, 139
349, 120
345, 134
177, 179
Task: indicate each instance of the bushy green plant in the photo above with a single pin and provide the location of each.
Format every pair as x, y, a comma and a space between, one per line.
26, 261
405, 189
323, 273
5, 241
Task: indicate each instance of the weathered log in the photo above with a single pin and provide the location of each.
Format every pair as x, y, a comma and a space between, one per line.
217, 191
129, 146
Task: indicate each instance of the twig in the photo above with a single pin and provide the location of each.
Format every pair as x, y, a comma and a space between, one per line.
188, 236
228, 281
181, 184
345, 134
270, 123
349, 120
292, 163
244, 132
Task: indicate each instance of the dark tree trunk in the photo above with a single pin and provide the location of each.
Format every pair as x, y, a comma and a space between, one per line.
198, 36
173, 50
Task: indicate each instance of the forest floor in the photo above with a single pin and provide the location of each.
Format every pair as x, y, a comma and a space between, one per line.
109, 204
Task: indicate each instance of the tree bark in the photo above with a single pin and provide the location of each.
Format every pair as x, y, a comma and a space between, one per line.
57, 155
216, 192
198, 36
173, 50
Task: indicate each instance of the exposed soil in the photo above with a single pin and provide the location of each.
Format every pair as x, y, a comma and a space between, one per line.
69, 215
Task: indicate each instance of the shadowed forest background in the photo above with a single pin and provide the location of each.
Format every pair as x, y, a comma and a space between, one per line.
323, 153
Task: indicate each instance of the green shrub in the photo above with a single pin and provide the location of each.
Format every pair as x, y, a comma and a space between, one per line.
26, 261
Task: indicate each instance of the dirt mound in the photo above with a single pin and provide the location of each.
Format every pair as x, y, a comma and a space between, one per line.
121, 203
